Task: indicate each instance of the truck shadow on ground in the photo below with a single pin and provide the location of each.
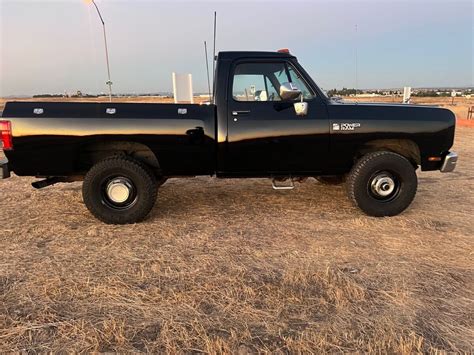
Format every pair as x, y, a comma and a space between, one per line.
238, 198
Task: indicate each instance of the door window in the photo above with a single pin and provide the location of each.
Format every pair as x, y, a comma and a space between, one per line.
257, 82
262, 81
300, 83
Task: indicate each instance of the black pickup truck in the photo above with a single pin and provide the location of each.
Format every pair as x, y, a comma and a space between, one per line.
268, 119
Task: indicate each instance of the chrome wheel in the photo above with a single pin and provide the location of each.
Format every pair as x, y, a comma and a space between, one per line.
118, 190
119, 193
384, 186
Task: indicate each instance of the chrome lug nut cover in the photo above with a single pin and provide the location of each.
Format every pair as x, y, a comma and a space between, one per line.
383, 185
118, 191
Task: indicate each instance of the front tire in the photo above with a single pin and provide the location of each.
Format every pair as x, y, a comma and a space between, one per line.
119, 190
382, 184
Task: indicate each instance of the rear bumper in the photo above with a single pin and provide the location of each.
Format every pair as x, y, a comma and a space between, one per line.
4, 170
449, 163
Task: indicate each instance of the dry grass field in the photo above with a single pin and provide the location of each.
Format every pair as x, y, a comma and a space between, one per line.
231, 266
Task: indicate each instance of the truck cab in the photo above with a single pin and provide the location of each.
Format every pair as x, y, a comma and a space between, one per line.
260, 133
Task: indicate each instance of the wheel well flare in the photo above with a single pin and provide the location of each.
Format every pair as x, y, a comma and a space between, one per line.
404, 147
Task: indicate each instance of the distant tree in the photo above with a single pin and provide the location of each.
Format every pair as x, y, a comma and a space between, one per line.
343, 92
332, 93
47, 95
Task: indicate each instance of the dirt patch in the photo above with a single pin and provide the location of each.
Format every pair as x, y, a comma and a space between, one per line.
233, 266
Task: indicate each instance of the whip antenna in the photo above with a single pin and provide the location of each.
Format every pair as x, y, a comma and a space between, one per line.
207, 68
356, 60
214, 58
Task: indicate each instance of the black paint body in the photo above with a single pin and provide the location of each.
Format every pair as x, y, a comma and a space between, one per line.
270, 140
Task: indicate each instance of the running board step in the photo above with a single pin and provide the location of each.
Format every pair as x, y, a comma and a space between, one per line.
278, 187
47, 182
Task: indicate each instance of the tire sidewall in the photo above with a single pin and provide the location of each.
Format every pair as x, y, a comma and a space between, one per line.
144, 183
393, 163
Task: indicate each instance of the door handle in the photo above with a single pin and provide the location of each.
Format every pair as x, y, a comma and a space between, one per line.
238, 113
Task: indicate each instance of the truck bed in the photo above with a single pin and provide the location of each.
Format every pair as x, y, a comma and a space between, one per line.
47, 136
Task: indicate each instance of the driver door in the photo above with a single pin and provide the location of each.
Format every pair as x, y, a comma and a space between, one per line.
265, 136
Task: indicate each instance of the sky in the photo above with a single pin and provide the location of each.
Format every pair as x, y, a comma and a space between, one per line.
56, 46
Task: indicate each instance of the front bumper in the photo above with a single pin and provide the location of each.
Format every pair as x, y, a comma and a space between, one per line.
4, 170
449, 163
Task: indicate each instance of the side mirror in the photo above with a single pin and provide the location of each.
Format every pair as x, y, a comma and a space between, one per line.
301, 108
289, 92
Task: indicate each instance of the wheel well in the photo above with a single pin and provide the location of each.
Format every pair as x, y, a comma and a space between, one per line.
404, 147
90, 154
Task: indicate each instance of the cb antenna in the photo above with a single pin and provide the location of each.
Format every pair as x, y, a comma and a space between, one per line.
214, 58
207, 68
356, 60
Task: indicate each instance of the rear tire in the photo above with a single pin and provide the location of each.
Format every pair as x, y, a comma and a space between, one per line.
382, 184
119, 190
